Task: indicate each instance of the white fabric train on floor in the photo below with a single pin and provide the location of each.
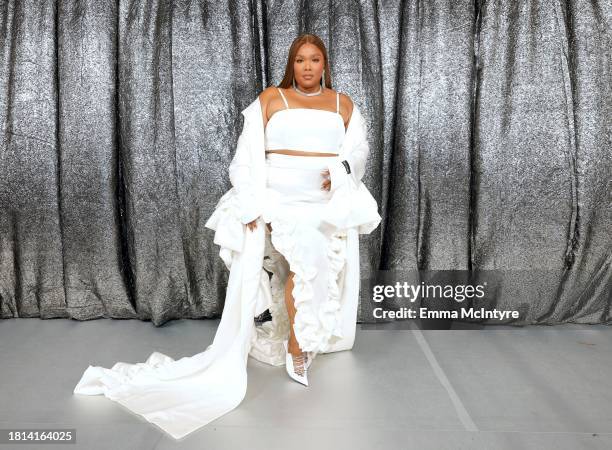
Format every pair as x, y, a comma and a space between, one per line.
183, 395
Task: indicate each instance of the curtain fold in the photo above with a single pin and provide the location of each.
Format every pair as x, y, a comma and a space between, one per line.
489, 127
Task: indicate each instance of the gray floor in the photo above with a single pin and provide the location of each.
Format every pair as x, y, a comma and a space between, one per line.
503, 388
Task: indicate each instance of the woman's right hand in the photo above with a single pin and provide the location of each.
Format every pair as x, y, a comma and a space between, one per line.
252, 224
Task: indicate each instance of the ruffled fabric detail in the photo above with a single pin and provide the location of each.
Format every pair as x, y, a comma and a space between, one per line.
229, 230
352, 206
315, 331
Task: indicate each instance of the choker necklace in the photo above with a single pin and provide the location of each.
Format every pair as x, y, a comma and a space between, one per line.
306, 93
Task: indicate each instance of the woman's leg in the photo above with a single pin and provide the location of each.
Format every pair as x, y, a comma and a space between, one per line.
293, 345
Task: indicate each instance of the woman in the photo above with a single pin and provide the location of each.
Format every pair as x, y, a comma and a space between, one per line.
288, 232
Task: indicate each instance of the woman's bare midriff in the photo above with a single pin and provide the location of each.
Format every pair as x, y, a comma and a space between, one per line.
300, 153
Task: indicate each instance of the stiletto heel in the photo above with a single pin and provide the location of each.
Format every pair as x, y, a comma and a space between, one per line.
299, 371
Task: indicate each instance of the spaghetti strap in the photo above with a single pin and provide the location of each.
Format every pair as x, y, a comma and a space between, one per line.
284, 99
338, 102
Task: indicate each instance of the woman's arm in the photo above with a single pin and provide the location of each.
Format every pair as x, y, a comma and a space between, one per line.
358, 156
353, 164
240, 176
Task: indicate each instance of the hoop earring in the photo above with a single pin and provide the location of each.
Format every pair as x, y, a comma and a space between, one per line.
323, 81
294, 83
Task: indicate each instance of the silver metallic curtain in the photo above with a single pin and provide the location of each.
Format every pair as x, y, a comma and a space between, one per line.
489, 129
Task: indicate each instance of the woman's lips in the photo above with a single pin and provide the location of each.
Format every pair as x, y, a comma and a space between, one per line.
307, 77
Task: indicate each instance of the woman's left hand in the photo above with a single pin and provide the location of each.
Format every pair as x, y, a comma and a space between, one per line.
327, 182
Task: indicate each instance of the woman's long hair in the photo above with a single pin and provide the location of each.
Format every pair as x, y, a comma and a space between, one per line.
297, 43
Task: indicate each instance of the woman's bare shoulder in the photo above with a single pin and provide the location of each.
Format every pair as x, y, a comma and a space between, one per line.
346, 107
264, 98
267, 94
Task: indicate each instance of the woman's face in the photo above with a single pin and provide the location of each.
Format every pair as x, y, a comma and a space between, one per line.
308, 66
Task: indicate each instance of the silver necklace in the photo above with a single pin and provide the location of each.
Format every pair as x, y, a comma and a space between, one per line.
306, 93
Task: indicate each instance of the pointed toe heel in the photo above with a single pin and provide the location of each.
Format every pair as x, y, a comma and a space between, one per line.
296, 366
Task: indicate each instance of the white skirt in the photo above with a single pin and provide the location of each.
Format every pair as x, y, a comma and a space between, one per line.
313, 250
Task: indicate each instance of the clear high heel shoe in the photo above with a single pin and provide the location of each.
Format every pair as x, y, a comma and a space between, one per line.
299, 370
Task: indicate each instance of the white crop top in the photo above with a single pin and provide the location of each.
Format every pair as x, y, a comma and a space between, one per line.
306, 129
